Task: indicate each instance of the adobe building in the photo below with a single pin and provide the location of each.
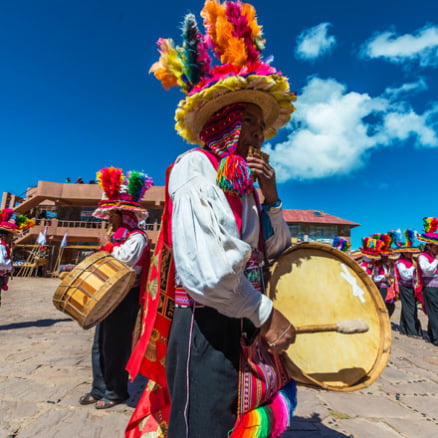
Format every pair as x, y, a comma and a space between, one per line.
65, 210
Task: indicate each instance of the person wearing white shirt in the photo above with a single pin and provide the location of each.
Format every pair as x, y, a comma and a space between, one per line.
211, 256
405, 273
5, 260
428, 264
113, 336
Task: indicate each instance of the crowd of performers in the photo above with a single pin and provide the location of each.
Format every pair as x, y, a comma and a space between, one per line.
404, 266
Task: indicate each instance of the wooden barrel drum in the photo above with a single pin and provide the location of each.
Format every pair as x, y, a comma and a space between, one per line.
314, 283
94, 288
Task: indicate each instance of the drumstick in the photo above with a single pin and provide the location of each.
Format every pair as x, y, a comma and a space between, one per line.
345, 327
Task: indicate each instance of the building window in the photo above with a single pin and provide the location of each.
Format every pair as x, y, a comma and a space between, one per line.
322, 233
296, 231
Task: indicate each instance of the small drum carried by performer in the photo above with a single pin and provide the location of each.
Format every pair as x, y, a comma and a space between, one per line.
94, 288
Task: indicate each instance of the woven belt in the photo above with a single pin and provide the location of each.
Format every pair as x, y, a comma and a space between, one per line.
182, 299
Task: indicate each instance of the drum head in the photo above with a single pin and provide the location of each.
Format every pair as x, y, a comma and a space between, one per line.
314, 283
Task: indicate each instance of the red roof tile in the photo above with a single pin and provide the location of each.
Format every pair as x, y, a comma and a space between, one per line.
314, 216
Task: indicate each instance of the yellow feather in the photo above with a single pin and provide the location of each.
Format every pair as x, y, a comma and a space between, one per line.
168, 69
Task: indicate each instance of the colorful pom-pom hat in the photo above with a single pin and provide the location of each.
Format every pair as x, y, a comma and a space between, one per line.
14, 223
233, 36
430, 225
387, 240
122, 192
341, 244
405, 242
371, 247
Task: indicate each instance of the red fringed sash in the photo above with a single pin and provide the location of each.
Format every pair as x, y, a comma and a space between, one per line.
148, 358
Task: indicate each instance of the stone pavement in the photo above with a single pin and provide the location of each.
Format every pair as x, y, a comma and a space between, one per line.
45, 368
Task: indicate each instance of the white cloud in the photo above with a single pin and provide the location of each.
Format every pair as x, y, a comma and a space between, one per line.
333, 130
314, 42
421, 46
406, 89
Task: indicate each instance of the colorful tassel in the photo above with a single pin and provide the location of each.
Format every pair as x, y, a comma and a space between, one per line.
270, 420
234, 175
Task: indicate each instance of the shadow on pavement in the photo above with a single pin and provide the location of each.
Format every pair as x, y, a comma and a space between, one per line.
311, 428
38, 323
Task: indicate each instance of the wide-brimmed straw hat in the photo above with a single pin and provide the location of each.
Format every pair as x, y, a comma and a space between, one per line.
122, 192
235, 39
430, 225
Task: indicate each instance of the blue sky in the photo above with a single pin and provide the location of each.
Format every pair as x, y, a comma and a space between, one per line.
76, 96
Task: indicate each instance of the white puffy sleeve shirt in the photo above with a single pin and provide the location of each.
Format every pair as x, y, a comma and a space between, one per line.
5, 263
131, 250
406, 274
428, 269
210, 255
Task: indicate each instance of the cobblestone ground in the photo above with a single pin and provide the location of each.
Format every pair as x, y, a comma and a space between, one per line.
45, 368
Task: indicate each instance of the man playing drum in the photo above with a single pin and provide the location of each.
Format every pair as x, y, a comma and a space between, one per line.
220, 236
128, 244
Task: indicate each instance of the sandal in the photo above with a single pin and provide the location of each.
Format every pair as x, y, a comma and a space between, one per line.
88, 399
104, 403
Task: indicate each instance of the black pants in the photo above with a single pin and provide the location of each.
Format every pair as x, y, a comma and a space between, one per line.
112, 348
202, 367
431, 305
409, 323
390, 307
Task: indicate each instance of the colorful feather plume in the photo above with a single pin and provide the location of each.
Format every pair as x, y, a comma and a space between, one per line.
385, 238
233, 32
196, 58
430, 224
110, 179
411, 238
233, 36
396, 237
6, 214
341, 244
138, 183
23, 222
169, 68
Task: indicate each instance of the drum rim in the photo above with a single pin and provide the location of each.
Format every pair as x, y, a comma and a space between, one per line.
383, 355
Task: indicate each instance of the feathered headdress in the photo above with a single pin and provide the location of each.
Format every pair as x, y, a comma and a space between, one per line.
122, 192
386, 239
404, 242
10, 221
372, 247
341, 244
234, 38
430, 225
